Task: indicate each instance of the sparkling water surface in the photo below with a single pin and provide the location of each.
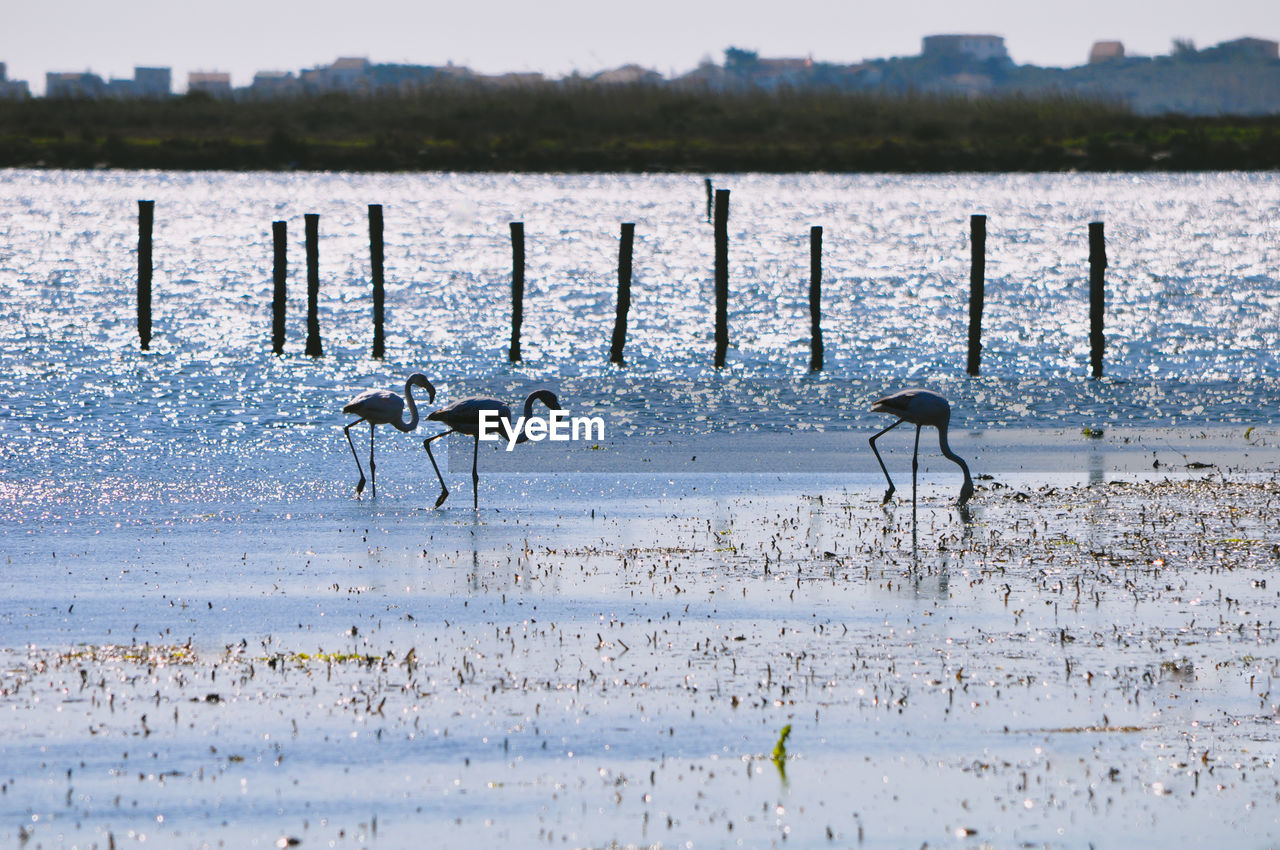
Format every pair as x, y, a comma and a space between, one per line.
1192, 305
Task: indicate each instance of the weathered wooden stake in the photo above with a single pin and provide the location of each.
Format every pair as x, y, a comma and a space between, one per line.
146, 215
710, 199
314, 349
517, 288
1097, 294
815, 298
375, 268
722, 275
624, 293
279, 233
977, 285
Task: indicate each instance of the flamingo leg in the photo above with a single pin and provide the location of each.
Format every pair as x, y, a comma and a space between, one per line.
347, 431
888, 494
373, 470
475, 476
426, 444
915, 468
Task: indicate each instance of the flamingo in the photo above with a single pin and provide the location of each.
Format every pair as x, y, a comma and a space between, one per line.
920, 407
463, 417
383, 407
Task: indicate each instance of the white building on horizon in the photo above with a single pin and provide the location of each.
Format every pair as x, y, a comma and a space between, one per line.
212, 83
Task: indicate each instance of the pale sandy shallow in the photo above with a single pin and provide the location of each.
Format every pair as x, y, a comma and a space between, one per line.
1086, 655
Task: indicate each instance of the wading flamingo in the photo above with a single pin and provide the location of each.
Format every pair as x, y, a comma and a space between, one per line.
383, 407
463, 417
919, 407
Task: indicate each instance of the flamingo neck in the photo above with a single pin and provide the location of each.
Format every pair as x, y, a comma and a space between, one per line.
536, 395
967, 489
528, 411
413, 410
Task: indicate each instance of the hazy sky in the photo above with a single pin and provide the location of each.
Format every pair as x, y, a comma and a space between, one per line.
561, 36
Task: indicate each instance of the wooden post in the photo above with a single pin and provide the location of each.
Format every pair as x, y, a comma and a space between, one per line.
977, 285
517, 288
722, 275
314, 349
815, 298
710, 199
146, 216
375, 269
279, 233
1097, 294
624, 293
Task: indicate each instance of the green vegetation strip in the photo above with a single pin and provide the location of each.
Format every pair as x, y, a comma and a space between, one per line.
628, 129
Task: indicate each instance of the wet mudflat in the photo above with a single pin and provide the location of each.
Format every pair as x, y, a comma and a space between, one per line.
600, 661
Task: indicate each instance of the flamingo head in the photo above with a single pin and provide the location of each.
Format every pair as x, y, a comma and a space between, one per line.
417, 379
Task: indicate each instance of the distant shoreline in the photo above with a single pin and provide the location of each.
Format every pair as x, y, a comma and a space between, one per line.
630, 129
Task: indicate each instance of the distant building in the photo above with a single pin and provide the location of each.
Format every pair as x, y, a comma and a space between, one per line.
978, 47
784, 66
347, 74
73, 85
1251, 48
516, 80
457, 72
153, 82
214, 83
354, 75
12, 89
122, 88
149, 83
863, 73
271, 84
1106, 51
772, 73
708, 75
628, 75
407, 79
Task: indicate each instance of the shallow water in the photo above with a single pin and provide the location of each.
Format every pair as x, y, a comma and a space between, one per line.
1191, 329
1064, 664
206, 639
